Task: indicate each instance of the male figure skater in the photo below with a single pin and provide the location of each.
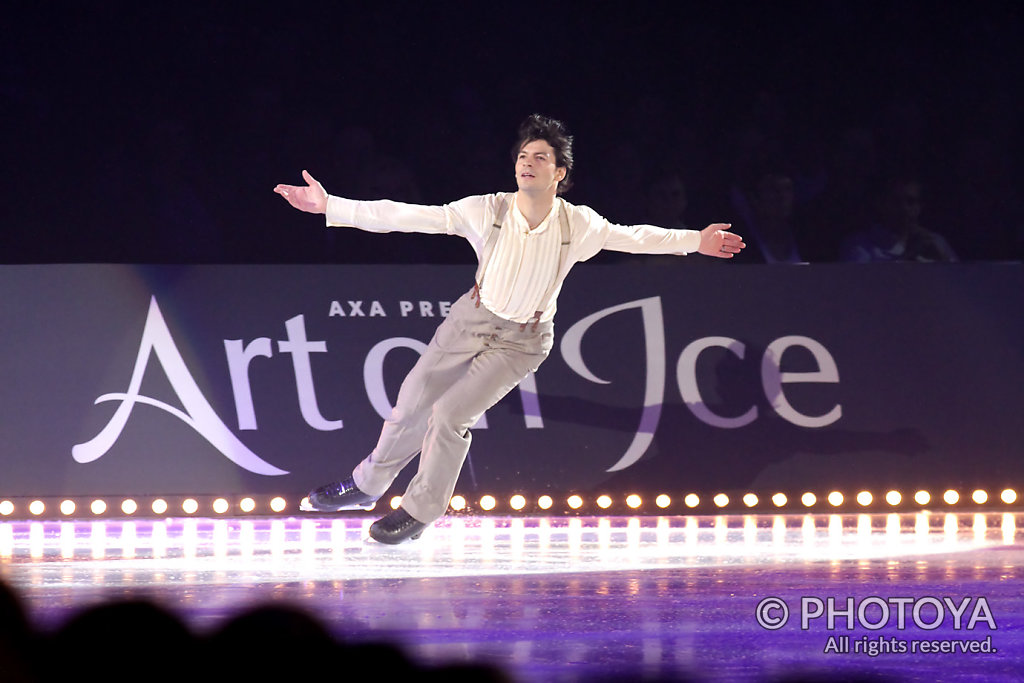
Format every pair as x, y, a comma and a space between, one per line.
498, 331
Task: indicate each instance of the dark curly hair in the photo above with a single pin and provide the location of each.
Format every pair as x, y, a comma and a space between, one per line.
553, 132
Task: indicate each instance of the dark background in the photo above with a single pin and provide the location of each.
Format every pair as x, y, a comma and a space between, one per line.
136, 133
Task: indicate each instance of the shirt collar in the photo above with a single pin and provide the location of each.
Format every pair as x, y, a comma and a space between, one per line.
520, 221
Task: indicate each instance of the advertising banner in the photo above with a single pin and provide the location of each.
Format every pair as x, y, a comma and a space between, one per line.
217, 380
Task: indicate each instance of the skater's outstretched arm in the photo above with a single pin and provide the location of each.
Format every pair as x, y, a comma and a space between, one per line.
464, 217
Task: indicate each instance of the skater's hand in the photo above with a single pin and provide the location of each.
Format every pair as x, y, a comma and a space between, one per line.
312, 198
716, 241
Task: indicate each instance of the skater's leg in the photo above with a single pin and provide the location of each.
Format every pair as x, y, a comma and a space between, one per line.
456, 341
401, 436
490, 376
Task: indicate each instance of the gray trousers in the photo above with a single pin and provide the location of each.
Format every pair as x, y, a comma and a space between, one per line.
474, 359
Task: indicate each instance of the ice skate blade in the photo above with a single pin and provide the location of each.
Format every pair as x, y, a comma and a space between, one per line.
306, 506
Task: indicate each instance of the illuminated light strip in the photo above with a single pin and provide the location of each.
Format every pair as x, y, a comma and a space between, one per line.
721, 501
71, 507
196, 539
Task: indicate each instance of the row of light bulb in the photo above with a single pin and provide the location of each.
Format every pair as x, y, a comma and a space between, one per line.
129, 506
487, 503
750, 500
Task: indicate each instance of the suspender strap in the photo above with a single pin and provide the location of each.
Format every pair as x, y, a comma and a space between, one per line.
488, 250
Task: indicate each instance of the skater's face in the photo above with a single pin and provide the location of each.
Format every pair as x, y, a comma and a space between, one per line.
537, 169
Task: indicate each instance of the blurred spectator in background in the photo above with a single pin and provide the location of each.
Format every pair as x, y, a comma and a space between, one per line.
368, 170
667, 200
665, 203
620, 181
17, 640
898, 234
392, 178
766, 207
152, 643
843, 208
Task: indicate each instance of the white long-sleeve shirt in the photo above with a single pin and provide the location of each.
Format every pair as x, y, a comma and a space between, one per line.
524, 263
